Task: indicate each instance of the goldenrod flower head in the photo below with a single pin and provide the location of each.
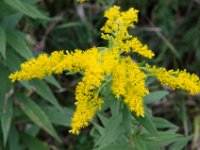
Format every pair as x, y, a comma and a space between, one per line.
98, 64
116, 30
40, 67
87, 104
138, 47
118, 22
177, 79
129, 82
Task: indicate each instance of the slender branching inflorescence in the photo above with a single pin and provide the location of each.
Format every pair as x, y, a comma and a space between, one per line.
179, 79
103, 65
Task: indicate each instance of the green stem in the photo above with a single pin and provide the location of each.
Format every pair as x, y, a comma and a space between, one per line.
149, 74
131, 142
97, 91
103, 85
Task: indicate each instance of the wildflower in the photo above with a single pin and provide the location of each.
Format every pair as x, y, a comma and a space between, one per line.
96, 65
177, 79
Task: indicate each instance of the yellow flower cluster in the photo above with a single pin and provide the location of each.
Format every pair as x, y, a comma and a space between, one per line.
126, 78
116, 31
40, 67
97, 65
177, 79
128, 81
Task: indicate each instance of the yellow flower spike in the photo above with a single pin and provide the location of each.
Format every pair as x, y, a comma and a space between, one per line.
136, 46
43, 66
116, 30
119, 80
177, 79
88, 101
118, 22
130, 84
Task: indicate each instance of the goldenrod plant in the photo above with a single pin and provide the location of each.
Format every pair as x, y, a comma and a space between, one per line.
108, 97
110, 70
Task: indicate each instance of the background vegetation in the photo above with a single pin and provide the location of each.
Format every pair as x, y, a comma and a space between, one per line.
38, 116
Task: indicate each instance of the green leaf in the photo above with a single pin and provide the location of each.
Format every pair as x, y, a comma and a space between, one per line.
37, 115
2, 42
13, 61
147, 123
139, 143
25, 8
104, 120
43, 90
180, 143
57, 117
112, 131
11, 21
33, 130
14, 139
127, 119
113, 103
196, 124
4, 10
70, 73
98, 128
69, 25
1, 142
35, 11
26, 84
6, 117
31, 1
53, 81
155, 96
115, 107
117, 146
162, 123
160, 140
15, 40
32, 143
5, 84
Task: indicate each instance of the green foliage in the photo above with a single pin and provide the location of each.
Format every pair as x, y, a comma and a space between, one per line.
16, 105
155, 96
36, 114
33, 143
3, 42
32, 117
6, 116
18, 44
126, 131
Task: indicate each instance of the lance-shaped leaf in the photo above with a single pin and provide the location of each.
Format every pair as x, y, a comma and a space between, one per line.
2, 42
36, 114
6, 117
